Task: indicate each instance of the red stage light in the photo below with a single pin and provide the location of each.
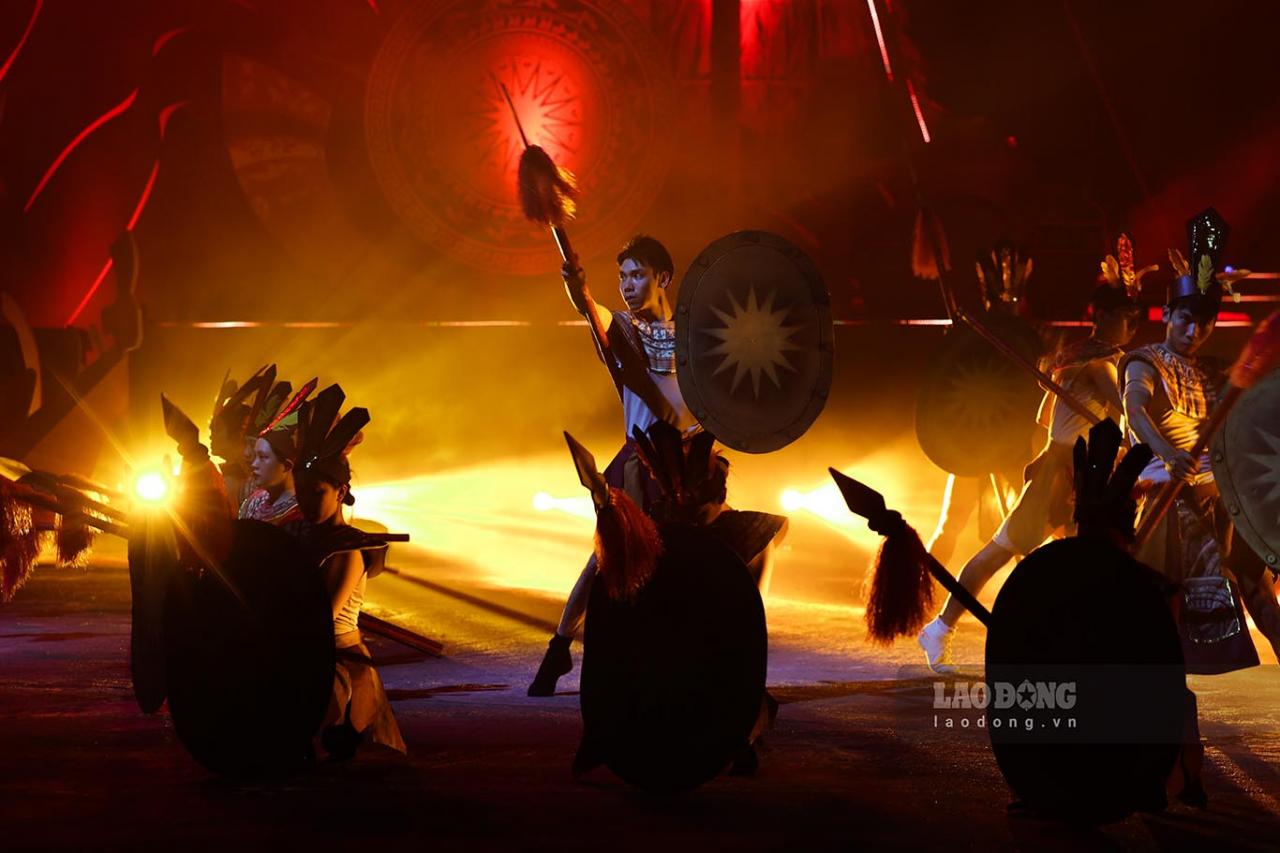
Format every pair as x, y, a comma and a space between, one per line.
133, 220
93, 288
118, 110
13, 55
915, 104
884, 50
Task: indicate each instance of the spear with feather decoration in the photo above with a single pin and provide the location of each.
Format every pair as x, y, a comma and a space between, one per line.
1258, 358
548, 196
900, 592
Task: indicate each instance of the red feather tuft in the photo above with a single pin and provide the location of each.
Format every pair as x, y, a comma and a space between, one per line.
19, 544
1260, 355
73, 540
627, 546
899, 589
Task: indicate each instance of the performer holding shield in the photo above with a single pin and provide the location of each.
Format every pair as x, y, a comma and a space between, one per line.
958, 392
1087, 369
753, 340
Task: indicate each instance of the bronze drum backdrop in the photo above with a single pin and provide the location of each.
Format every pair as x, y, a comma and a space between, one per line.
588, 83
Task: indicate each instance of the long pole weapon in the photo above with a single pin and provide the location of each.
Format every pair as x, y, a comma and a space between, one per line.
901, 591
935, 264
547, 196
1260, 355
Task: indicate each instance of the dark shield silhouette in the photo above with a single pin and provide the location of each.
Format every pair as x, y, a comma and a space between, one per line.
1086, 683
249, 656
672, 682
153, 560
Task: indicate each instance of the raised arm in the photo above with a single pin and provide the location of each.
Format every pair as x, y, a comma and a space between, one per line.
575, 286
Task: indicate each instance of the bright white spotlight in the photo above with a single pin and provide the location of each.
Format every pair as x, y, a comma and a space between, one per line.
580, 506
826, 502
151, 486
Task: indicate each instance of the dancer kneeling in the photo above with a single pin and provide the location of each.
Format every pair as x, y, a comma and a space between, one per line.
358, 709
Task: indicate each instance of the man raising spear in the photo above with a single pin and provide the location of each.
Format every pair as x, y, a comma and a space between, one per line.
638, 347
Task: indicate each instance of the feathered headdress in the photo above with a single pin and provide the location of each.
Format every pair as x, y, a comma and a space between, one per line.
689, 473
1204, 277
1003, 274
271, 401
324, 440
279, 431
1118, 269
234, 411
286, 417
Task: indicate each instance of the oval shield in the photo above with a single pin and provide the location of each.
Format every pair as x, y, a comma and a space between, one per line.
1245, 454
754, 341
976, 410
672, 682
153, 560
249, 655
1086, 685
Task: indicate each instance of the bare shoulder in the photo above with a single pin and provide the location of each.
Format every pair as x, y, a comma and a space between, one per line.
1139, 369
343, 561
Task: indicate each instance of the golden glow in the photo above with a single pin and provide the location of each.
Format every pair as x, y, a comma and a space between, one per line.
825, 501
151, 486
882, 470
481, 520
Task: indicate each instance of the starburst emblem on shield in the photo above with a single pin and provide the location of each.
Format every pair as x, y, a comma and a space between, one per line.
754, 340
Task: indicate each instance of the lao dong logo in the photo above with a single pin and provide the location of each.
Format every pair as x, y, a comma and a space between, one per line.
1004, 695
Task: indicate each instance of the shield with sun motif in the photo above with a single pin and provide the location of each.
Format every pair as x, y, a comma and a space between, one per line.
976, 410
754, 341
1246, 463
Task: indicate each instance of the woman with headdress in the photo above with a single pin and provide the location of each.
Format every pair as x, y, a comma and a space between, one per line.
274, 453
236, 410
358, 709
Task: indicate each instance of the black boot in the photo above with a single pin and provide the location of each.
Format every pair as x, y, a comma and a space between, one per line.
555, 663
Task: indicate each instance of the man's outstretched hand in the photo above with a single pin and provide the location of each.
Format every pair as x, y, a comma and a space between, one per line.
1105, 506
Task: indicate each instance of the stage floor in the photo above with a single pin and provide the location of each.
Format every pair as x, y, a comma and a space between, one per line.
855, 759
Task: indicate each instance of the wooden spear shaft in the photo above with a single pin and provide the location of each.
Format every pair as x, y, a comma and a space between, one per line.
954, 311
1169, 493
